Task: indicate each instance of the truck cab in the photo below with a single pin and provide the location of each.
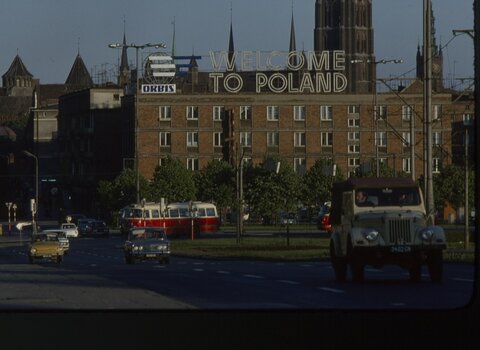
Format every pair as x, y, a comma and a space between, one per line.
379, 221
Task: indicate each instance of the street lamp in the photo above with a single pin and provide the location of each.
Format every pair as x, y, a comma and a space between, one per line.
136, 47
35, 207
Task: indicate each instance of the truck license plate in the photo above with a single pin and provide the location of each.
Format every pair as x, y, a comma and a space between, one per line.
401, 249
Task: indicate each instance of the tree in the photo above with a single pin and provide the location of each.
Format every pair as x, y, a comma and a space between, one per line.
173, 181
318, 182
122, 191
449, 186
268, 192
215, 183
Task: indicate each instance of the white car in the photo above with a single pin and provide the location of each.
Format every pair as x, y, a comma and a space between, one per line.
70, 229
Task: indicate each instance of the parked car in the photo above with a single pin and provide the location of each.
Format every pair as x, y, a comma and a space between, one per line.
147, 243
45, 246
70, 229
288, 218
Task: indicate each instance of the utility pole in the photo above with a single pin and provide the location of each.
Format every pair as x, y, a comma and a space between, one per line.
427, 107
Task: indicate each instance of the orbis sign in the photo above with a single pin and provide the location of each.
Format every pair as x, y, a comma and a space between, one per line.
159, 88
289, 71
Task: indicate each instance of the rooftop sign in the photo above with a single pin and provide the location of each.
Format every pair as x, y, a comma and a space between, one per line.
317, 72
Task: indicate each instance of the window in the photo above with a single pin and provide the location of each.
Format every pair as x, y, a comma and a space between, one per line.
381, 139
436, 112
272, 139
192, 164
246, 139
299, 139
165, 139
353, 162
245, 112
218, 112
407, 113
299, 112
326, 138
406, 165
192, 112
192, 139
354, 136
406, 138
353, 148
165, 112
437, 138
326, 113
217, 139
299, 165
353, 109
353, 122
272, 113
381, 112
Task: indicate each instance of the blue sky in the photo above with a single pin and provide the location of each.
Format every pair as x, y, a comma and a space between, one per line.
48, 33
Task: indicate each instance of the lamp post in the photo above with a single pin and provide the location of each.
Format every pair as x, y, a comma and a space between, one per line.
136, 47
35, 207
466, 123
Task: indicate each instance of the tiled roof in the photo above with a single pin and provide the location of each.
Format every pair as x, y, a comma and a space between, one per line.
17, 69
79, 75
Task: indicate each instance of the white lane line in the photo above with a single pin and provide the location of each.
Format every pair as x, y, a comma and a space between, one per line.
288, 282
398, 304
333, 290
253, 276
198, 270
223, 272
463, 279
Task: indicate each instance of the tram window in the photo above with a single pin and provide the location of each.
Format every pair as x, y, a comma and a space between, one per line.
137, 213
155, 213
146, 213
210, 211
201, 212
174, 213
184, 212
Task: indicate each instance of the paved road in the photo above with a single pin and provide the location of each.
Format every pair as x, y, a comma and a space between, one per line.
95, 276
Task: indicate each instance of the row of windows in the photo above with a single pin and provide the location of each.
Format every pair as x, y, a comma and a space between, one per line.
299, 113
299, 139
299, 164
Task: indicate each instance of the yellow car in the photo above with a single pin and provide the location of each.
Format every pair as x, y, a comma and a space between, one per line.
45, 246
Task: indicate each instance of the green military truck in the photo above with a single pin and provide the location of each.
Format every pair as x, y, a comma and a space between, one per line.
379, 221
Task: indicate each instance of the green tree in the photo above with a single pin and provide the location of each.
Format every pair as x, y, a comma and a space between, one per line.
173, 181
449, 186
318, 182
267, 192
215, 183
122, 191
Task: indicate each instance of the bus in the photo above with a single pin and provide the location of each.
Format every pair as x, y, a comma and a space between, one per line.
179, 218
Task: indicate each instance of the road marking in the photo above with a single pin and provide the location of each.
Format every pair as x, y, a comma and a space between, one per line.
463, 279
288, 282
253, 276
198, 263
223, 272
198, 270
333, 290
398, 304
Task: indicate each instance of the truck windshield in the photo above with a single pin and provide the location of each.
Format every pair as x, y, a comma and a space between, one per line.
387, 196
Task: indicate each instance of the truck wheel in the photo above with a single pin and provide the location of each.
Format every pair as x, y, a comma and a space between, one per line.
415, 270
435, 265
59, 259
339, 264
31, 259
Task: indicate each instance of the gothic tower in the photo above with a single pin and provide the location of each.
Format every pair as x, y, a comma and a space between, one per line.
346, 25
437, 61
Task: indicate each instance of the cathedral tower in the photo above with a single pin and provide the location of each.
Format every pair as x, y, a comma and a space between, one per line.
346, 25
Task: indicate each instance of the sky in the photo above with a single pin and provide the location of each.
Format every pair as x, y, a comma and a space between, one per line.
48, 34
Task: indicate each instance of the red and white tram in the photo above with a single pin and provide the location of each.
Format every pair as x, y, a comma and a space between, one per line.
177, 218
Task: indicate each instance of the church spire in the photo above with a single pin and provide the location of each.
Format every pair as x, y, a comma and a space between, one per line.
123, 78
231, 48
293, 46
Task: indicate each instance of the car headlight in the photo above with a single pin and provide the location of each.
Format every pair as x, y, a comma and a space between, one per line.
33, 251
370, 234
427, 234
